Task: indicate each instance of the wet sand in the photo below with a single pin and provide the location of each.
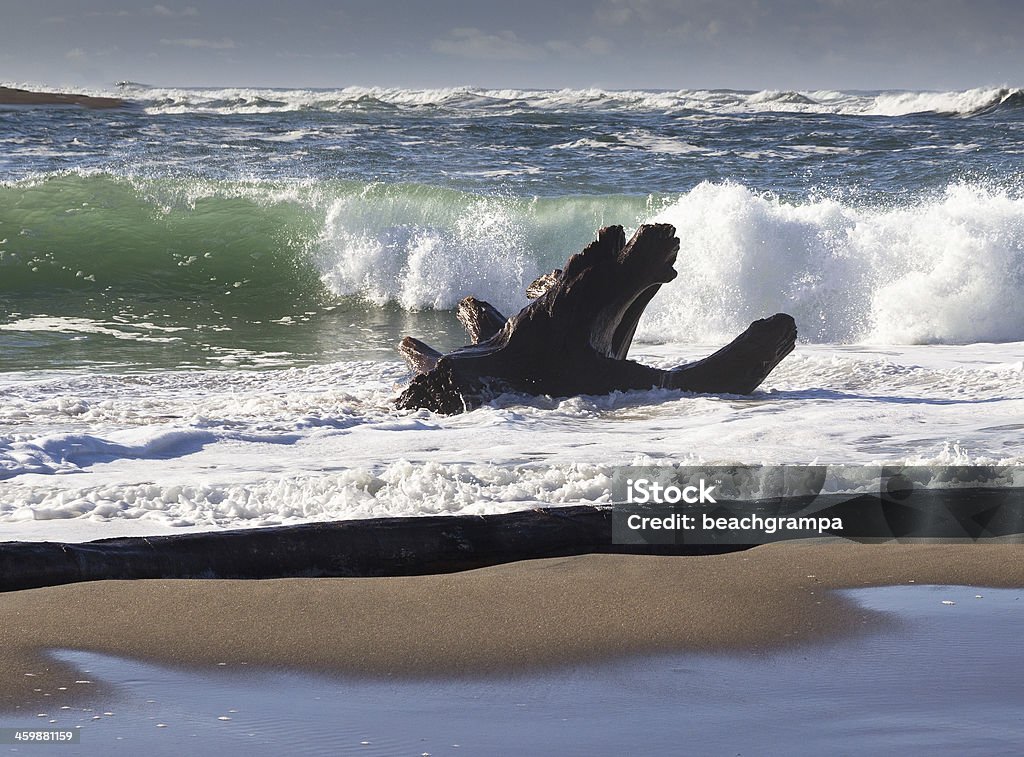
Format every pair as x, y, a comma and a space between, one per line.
508, 619
943, 678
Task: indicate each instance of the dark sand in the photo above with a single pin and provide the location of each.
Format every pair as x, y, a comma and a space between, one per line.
515, 618
10, 96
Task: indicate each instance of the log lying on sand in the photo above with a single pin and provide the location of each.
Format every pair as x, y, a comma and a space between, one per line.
420, 545
573, 338
360, 548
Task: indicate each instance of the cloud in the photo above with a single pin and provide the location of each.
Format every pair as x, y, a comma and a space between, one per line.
615, 13
591, 47
163, 10
79, 55
291, 55
224, 43
110, 14
468, 42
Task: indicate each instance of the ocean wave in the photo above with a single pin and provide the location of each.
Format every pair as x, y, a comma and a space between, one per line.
943, 268
190, 239
970, 102
70, 453
263, 243
947, 269
247, 100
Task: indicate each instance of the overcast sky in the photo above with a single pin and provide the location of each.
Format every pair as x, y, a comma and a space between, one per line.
663, 44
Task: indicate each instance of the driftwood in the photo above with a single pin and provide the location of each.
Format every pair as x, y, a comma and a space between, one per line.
573, 338
418, 545
360, 548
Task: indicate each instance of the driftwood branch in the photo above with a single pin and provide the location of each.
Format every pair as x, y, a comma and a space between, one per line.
574, 337
481, 319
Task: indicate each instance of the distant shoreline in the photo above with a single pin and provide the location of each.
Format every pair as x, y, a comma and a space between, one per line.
10, 96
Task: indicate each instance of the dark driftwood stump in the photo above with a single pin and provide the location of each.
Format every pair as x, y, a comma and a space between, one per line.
573, 338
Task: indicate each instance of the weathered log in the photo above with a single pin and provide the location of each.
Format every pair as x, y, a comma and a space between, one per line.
574, 337
481, 319
420, 357
418, 545
543, 283
360, 548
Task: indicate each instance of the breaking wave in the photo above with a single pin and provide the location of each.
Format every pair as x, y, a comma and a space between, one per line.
946, 268
240, 100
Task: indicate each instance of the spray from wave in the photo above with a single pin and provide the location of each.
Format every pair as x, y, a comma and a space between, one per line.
428, 248
944, 270
947, 269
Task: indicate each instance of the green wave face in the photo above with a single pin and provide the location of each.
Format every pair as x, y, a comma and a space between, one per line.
329, 268
159, 239
267, 247
97, 268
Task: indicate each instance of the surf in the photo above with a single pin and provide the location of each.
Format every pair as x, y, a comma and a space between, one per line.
940, 267
965, 103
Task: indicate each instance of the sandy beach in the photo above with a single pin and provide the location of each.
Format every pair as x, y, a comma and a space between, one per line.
509, 619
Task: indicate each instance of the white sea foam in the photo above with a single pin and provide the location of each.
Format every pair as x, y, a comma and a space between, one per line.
636, 139
137, 331
242, 100
425, 254
958, 103
945, 269
948, 269
155, 453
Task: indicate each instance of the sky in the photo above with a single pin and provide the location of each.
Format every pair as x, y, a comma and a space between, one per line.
611, 44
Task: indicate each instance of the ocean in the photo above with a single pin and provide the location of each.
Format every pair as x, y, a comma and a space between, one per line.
201, 293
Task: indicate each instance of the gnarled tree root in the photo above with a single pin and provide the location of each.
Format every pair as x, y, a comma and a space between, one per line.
574, 337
